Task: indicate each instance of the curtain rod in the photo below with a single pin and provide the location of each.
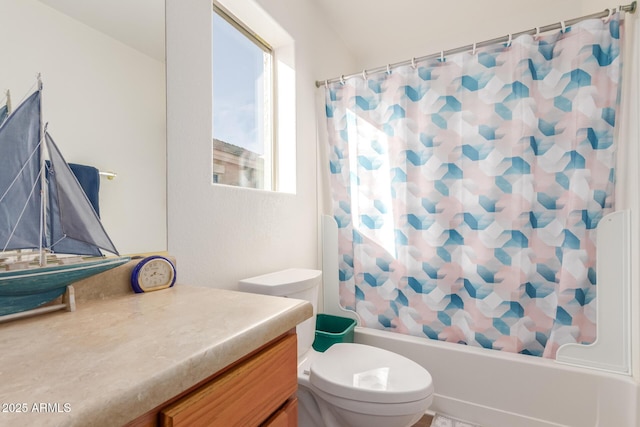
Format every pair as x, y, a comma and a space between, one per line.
630, 8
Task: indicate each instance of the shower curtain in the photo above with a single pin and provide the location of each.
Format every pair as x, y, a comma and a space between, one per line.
467, 189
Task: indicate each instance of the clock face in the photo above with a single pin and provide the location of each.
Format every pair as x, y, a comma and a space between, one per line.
153, 274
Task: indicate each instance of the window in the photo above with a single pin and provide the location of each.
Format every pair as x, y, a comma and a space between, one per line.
243, 105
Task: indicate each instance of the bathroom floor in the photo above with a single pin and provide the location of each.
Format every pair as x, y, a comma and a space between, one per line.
424, 421
441, 421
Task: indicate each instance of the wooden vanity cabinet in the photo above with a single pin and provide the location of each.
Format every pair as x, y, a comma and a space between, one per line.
259, 390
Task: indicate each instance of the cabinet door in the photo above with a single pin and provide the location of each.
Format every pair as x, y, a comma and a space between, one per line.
244, 396
287, 416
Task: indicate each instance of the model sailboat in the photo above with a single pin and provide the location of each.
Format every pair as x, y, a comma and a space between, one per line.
43, 209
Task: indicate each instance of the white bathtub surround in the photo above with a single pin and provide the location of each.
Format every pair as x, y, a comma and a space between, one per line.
611, 351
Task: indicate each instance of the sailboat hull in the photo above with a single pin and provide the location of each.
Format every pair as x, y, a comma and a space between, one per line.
28, 289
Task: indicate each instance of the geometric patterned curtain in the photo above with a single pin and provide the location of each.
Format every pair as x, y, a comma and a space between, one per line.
467, 191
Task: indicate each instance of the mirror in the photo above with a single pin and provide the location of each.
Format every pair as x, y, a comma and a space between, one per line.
102, 65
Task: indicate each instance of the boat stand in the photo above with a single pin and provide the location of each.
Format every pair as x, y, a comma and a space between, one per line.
68, 303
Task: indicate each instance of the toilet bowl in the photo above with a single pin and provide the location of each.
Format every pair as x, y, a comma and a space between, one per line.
349, 385
359, 385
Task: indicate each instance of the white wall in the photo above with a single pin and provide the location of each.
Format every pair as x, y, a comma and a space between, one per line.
379, 33
222, 234
105, 104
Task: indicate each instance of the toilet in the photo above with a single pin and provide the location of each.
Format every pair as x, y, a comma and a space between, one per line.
349, 385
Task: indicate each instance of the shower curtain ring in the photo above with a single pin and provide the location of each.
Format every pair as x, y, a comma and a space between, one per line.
473, 52
608, 16
413, 62
564, 27
326, 84
364, 75
537, 35
509, 41
388, 69
342, 80
442, 56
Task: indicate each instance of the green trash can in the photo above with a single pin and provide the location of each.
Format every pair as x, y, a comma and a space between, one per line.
331, 330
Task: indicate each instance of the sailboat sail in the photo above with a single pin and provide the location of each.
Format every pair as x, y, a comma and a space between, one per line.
4, 112
6, 108
74, 225
20, 167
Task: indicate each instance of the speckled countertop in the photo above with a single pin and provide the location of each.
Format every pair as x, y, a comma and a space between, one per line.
119, 356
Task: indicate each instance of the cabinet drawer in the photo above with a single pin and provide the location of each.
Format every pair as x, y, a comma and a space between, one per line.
287, 416
244, 396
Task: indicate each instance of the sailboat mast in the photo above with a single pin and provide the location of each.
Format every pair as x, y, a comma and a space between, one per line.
43, 185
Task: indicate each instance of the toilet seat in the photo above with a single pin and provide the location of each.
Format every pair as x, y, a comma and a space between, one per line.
367, 374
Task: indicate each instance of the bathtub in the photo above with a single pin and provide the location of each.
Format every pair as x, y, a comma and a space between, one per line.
496, 389
499, 389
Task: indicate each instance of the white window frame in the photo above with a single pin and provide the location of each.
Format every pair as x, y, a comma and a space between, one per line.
284, 143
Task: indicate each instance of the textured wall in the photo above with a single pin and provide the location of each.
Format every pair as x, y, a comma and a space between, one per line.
221, 234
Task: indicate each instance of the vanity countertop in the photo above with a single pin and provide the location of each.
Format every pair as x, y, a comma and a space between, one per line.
115, 359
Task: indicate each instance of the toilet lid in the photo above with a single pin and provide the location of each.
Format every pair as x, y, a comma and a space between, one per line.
369, 374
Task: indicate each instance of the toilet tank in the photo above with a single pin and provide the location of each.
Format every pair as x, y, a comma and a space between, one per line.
298, 283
